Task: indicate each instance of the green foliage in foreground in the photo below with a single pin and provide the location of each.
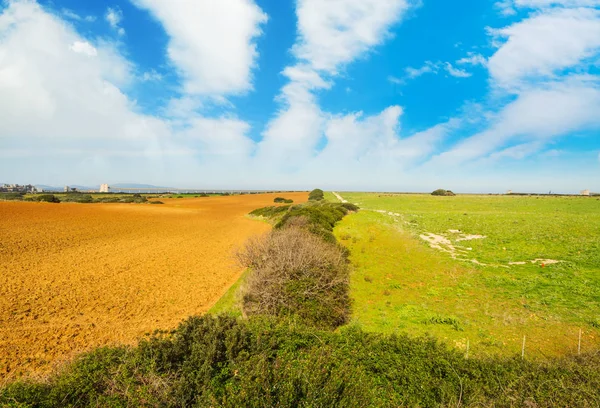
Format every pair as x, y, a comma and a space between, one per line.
228, 362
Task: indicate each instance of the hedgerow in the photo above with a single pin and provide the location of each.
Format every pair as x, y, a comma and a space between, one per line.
229, 362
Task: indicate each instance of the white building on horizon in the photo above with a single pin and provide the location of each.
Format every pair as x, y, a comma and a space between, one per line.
104, 188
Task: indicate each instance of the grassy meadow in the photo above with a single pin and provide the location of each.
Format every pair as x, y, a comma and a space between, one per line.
486, 292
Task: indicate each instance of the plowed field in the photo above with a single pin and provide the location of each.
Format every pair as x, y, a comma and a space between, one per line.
77, 276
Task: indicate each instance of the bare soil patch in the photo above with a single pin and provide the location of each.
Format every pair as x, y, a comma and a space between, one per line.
78, 276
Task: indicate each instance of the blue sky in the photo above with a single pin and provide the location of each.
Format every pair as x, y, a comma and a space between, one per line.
394, 95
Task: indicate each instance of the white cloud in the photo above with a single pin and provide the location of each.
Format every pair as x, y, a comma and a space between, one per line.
83, 47
544, 44
74, 16
456, 72
212, 43
506, 7
473, 59
59, 102
114, 16
518, 152
428, 68
548, 3
335, 32
331, 34
555, 110
509, 7
151, 76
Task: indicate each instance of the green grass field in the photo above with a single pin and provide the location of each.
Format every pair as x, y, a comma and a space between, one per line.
471, 291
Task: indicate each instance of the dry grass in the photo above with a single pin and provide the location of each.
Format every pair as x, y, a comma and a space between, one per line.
295, 272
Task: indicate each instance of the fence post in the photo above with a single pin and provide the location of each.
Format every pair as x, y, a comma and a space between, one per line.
523, 349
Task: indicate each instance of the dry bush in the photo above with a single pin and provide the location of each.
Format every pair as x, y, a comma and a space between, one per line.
295, 272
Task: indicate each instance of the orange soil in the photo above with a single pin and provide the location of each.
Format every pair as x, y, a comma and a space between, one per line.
77, 276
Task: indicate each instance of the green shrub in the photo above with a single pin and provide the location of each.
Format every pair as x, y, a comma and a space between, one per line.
283, 200
351, 207
442, 192
227, 362
11, 196
47, 198
270, 212
78, 198
316, 195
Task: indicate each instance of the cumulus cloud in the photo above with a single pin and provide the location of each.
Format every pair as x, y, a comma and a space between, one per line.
335, 32
542, 66
212, 43
331, 34
544, 44
64, 96
83, 47
537, 114
63, 109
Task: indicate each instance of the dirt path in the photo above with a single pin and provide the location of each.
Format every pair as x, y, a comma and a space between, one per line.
76, 276
339, 197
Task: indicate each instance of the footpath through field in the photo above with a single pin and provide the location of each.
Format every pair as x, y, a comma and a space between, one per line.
77, 276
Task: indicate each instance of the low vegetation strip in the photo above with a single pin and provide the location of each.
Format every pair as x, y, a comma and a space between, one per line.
231, 362
298, 270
